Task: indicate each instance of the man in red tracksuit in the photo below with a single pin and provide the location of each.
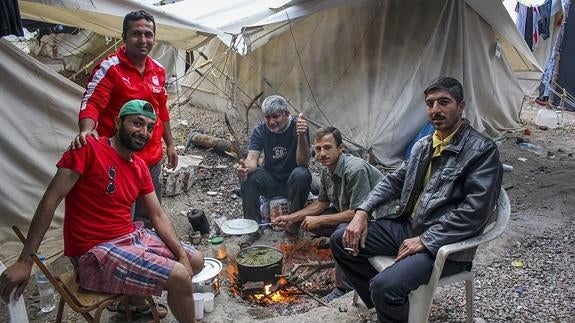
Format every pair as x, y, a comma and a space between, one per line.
128, 74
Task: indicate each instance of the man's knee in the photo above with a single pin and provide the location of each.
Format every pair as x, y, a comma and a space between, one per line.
388, 289
180, 279
197, 261
337, 235
257, 175
255, 182
300, 175
335, 241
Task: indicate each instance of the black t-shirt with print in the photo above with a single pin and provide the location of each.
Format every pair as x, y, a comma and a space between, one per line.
279, 149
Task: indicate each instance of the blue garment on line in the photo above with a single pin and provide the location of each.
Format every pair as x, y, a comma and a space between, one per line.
425, 131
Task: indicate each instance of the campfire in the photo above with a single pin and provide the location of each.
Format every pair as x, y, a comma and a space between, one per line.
286, 286
278, 292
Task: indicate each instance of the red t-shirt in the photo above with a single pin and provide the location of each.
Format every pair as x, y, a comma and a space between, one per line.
115, 81
98, 207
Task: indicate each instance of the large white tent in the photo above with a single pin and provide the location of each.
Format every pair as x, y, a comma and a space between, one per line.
38, 114
360, 65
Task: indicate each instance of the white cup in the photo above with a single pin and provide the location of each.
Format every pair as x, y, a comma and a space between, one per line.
199, 305
208, 302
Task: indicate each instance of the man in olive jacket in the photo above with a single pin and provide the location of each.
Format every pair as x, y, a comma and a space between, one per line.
447, 189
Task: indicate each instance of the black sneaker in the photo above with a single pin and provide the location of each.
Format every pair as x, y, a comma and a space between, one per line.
335, 293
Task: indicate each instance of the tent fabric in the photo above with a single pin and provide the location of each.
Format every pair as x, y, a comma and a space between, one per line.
516, 50
105, 18
74, 50
367, 67
38, 117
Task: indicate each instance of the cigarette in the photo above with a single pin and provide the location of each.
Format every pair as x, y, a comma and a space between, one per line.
349, 249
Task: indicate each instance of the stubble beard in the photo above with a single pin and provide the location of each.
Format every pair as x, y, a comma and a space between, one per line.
128, 141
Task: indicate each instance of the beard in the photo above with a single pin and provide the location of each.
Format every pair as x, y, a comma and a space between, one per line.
132, 142
281, 127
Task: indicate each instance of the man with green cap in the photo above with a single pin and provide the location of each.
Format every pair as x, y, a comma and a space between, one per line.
110, 252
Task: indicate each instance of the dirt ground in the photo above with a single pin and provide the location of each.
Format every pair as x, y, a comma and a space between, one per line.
539, 188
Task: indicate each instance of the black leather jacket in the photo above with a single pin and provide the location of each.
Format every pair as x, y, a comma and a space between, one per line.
459, 199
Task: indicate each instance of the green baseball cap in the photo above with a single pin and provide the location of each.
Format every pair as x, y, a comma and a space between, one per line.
139, 107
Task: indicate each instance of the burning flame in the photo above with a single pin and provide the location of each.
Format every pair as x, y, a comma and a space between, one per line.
276, 297
280, 292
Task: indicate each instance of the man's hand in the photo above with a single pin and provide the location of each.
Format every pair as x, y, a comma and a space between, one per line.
172, 155
184, 260
80, 139
409, 247
301, 125
15, 277
312, 222
283, 221
241, 170
355, 233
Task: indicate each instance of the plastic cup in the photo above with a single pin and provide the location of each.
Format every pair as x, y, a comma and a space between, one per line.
208, 302
199, 305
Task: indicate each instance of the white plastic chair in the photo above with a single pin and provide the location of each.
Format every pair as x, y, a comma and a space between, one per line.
420, 299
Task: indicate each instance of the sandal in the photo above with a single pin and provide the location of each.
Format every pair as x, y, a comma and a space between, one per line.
138, 312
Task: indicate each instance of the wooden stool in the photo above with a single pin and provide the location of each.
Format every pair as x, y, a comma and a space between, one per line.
80, 300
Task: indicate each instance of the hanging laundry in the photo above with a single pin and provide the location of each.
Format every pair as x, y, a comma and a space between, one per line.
528, 36
544, 21
10, 23
520, 21
535, 22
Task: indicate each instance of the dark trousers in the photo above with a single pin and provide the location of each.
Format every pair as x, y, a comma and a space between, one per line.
261, 182
388, 290
341, 280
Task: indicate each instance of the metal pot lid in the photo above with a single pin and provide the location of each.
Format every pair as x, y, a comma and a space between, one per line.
212, 267
239, 226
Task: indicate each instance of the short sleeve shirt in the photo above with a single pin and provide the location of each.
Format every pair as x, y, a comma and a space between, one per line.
98, 207
279, 149
349, 184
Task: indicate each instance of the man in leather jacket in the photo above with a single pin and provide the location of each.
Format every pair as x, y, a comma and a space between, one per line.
447, 189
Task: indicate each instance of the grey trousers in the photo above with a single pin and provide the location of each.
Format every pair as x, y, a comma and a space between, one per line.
139, 212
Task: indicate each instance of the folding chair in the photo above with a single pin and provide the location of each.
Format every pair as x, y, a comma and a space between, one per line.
420, 300
80, 300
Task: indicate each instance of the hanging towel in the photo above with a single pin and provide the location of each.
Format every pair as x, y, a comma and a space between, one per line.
10, 23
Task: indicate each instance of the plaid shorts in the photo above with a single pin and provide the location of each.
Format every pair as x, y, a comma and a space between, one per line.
138, 263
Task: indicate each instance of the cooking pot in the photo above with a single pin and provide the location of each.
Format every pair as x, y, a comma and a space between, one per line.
208, 280
259, 263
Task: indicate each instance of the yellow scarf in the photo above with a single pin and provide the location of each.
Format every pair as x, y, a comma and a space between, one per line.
440, 144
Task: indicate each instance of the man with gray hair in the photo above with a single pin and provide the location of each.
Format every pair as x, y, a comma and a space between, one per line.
284, 141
